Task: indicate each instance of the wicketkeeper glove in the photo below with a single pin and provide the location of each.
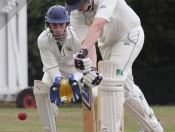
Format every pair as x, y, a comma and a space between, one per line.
92, 78
64, 90
75, 88
55, 92
81, 62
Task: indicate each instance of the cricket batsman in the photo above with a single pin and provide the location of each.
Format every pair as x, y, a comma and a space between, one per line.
120, 36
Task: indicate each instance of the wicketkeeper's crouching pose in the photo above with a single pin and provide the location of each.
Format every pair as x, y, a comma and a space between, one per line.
61, 82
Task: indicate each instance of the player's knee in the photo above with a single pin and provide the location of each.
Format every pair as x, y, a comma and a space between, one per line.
129, 83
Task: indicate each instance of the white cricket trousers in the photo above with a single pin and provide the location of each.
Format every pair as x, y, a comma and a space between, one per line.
125, 50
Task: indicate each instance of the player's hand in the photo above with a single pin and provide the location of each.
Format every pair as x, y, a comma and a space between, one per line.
75, 88
55, 92
81, 62
64, 90
54, 96
92, 78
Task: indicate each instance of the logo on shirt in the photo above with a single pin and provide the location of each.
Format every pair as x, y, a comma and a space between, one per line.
126, 43
102, 6
86, 97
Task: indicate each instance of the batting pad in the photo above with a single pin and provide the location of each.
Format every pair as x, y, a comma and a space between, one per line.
46, 110
137, 106
112, 96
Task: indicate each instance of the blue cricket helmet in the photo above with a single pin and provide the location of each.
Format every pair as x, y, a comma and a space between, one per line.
72, 4
57, 14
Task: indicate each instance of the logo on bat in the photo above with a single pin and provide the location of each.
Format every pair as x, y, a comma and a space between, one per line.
86, 97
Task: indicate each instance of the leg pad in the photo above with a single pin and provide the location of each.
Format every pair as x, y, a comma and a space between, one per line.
47, 111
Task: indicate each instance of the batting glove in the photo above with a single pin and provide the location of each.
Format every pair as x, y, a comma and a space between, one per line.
55, 92
54, 96
92, 78
81, 62
64, 90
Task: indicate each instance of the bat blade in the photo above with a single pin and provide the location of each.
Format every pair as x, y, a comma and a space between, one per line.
88, 110
99, 104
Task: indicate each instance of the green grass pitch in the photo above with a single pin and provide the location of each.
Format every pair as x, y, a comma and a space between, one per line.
70, 119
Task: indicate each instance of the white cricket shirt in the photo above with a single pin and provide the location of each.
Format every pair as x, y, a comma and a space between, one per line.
52, 57
121, 19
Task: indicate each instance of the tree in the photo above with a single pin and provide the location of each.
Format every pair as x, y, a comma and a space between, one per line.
158, 24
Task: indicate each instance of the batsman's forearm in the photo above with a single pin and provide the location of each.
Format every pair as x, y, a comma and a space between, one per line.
93, 56
92, 37
93, 33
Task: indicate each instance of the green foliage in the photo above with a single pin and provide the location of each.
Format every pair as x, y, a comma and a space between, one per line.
157, 56
157, 18
157, 84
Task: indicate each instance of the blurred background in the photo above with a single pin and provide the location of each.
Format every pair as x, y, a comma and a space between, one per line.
153, 70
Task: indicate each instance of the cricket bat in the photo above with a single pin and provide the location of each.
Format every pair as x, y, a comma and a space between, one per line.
88, 110
98, 106
99, 129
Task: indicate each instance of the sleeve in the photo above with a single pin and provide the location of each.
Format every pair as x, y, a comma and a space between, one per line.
78, 75
47, 57
54, 73
78, 24
105, 9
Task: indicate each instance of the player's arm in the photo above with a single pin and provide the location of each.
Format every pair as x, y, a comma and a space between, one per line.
102, 17
93, 34
91, 76
48, 59
92, 37
64, 90
93, 55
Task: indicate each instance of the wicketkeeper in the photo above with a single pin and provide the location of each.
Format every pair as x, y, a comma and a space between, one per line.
120, 37
61, 82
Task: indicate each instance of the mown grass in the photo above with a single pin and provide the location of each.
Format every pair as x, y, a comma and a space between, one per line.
70, 119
